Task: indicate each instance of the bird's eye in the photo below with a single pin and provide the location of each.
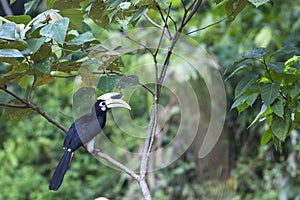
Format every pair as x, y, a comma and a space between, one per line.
102, 104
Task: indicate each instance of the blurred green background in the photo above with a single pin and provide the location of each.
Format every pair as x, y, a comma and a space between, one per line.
237, 168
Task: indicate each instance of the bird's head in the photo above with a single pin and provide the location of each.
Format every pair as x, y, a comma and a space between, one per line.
111, 100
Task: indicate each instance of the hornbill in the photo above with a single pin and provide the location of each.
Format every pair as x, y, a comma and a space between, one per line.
83, 131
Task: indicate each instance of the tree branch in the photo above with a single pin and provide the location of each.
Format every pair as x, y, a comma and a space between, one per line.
168, 35
13, 105
122, 167
153, 116
210, 25
31, 87
147, 88
36, 109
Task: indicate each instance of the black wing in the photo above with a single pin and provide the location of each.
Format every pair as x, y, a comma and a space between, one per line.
83, 130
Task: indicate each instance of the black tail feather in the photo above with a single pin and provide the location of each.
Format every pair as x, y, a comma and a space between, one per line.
60, 171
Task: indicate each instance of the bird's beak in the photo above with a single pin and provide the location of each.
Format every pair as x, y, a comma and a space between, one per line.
114, 99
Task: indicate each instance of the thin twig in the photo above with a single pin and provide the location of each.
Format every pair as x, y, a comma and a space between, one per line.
165, 27
213, 24
69, 76
141, 44
152, 22
36, 109
165, 20
195, 5
13, 105
168, 35
46, 116
147, 88
13, 95
31, 87
117, 164
182, 3
153, 121
174, 22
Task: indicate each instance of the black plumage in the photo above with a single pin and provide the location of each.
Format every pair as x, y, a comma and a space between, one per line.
83, 130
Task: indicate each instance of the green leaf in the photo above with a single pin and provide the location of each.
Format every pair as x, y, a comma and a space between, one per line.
298, 107
218, 1
263, 111
233, 8
98, 13
295, 90
239, 69
107, 83
163, 4
280, 127
50, 3
249, 99
10, 53
43, 79
113, 3
258, 3
28, 6
64, 4
277, 67
278, 108
138, 13
128, 81
19, 19
257, 53
239, 101
34, 45
125, 5
286, 50
8, 31
254, 54
56, 31
12, 1
244, 84
44, 65
15, 114
242, 107
81, 39
266, 137
269, 92
75, 16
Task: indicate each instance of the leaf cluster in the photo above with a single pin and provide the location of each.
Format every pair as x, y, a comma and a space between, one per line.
274, 85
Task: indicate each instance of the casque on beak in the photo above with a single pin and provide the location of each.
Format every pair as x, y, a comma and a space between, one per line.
113, 100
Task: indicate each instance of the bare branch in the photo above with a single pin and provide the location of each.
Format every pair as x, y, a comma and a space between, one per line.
196, 4
13, 95
168, 35
210, 25
166, 27
141, 44
13, 105
147, 88
36, 109
174, 22
46, 116
153, 117
69, 76
117, 164
145, 189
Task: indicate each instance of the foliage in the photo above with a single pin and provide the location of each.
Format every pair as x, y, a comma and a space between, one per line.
36, 53
275, 83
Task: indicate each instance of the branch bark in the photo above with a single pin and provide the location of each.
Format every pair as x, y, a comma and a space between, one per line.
159, 81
